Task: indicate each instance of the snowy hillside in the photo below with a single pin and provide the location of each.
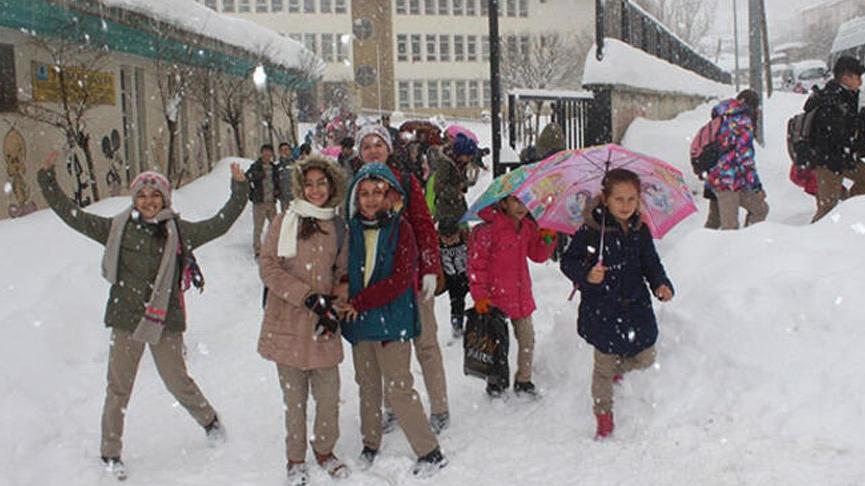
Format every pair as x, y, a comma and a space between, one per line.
759, 360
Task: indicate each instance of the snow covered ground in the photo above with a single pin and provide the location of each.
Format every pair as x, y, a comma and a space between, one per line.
759, 360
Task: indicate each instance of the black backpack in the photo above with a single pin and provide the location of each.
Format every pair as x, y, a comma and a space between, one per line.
800, 138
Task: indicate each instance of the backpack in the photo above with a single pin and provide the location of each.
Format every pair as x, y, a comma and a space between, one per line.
800, 143
705, 147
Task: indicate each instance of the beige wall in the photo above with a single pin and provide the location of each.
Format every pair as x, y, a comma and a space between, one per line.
630, 103
22, 194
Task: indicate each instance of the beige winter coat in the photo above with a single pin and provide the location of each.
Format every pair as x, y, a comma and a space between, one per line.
287, 331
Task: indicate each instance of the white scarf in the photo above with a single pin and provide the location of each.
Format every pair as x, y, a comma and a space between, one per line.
287, 245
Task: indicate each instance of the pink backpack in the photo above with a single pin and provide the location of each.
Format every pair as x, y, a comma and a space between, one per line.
705, 147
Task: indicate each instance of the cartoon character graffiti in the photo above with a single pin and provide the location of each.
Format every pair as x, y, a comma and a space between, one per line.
15, 153
110, 147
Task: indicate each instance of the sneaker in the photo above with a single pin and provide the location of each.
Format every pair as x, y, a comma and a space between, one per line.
115, 466
215, 433
457, 327
429, 464
388, 421
367, 457
439, 422
525, 388
297, 475
605, 425
495, 391
333, 466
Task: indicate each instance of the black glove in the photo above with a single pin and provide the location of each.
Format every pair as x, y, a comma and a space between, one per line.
326, 326
321, 304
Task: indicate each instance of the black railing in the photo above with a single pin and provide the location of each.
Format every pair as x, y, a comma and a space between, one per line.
623, 20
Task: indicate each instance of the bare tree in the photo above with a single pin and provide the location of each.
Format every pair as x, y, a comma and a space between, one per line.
77, 60
283, 99
690, 20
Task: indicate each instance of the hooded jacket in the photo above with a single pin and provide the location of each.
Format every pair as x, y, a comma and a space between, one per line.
616, 315
287, 330
735, 170
497, 266
386, 304
837, 131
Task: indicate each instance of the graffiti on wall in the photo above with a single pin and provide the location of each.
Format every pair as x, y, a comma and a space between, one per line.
110, 148
15, 153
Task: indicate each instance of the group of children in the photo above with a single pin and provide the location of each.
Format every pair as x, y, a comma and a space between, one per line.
347, 260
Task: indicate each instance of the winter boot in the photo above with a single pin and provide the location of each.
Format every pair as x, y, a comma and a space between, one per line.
605, 425
215, 433
429, 464
367, 457
494, 390
525, 389
297, 475
439, 422
388, 421
457, 326
617, 378
333, 466
115, 466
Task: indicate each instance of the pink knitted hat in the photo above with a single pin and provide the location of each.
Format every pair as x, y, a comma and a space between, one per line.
154, 180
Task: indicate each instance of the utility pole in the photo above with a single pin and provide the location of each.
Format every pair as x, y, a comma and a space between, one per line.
767, 59
495, 83
736, 44
755, 67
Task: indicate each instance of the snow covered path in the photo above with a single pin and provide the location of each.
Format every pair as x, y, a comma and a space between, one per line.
756, 382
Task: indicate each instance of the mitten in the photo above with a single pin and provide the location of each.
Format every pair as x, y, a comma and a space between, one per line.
482, 306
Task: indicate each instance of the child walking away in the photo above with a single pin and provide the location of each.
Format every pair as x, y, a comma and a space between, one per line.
303, 258
382, 316
148, 261
609, 259
499, 277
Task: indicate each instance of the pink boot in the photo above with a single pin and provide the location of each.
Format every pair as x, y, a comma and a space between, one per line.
605, 425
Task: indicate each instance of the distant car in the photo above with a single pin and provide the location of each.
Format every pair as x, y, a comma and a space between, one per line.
807, 74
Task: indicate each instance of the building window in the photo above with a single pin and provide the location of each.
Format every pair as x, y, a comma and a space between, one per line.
414, 7
484, 8
260, 6
461, 94
472, 48
429, 7
511, 42
459, 49
341, 51
470, 7
443, 7
243, 6
293, 6
403, 95
211, 4
417, 93
474, 95
432, 94
325, 6
512, 8
446, 93
457, 7
8, 85
524, 46
485, 48
276, 5
444, 48
402, 47
340, 7
415, 48
400, 7
524, 8
488, 93
327, 53
430, 47
309, 42
308, 6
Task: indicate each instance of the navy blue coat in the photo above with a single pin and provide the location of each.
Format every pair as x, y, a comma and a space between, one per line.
616, 315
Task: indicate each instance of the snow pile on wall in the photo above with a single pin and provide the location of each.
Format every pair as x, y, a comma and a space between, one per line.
625, 65
194, 17
850, 34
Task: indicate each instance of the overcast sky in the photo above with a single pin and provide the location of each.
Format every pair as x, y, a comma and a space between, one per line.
782, 16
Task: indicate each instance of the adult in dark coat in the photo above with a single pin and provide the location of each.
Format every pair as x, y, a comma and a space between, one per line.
264, 192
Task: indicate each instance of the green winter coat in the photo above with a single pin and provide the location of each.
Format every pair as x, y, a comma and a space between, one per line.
140, 251
451, 184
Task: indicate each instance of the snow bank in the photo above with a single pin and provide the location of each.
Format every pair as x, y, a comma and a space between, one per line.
194, 17
626, 65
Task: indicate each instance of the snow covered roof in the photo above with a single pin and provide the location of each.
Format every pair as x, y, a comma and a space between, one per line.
789, 45
193, 17
809, 64
850, 34
628, 66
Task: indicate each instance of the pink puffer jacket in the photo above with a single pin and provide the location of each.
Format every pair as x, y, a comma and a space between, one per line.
498, 269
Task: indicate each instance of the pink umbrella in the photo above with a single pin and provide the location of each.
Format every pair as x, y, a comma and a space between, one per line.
454, 130
332, 151
557, 191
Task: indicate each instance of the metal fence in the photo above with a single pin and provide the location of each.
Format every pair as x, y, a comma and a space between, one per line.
623, 20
